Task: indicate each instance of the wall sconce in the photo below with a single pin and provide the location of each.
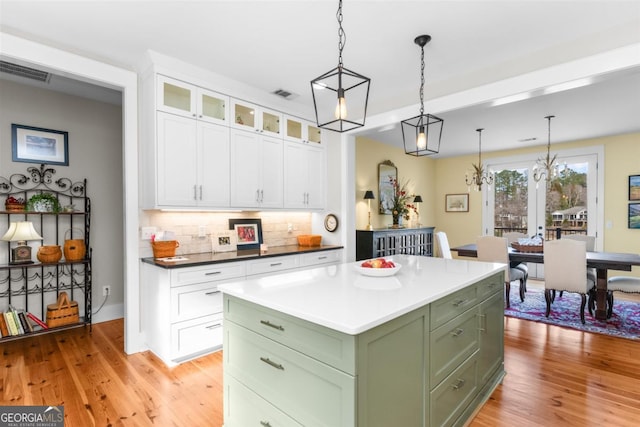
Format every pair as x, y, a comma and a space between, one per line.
417, 199
21, 232
368, 196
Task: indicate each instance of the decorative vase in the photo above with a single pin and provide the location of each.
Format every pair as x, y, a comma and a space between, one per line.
397, 221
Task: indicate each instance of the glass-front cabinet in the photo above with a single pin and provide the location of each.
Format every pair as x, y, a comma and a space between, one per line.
177, 97
299, 130
253, 117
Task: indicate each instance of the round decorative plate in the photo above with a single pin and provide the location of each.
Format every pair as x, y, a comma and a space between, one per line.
378, 272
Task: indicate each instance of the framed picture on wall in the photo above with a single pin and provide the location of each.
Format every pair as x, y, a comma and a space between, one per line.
634, 187
634, 215
456, 203
37, 145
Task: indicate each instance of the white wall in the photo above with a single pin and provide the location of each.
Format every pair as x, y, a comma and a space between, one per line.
95, 153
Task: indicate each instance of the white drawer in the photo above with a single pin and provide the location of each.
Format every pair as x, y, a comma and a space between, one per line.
319, 258
196, 337
326, 345
272, 264
191, 301
312, 393
208, 273
245, 408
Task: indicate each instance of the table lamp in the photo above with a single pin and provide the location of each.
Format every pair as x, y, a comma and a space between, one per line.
21, 232
417, 199
368, 196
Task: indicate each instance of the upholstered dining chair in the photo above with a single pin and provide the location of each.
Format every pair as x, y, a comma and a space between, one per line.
590, 241
626, 284
494, 249
565, 269
512, 237
443, 245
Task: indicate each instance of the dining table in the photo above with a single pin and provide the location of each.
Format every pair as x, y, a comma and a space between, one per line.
601, 261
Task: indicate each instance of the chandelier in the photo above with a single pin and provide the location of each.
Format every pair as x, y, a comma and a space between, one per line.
546, 167
422, 134
480, 175
338, 89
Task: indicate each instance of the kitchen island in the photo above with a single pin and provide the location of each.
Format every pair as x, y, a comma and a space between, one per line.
331, 347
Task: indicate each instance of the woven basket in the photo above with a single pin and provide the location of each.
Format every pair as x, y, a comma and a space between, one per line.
63, 312
164, 248
14, 207
528, 248
309, 240
74, 249
49, 254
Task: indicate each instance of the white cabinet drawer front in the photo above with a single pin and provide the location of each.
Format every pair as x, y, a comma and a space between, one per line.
269, 265
450, 306
196, 336
189, 302
324, 344
311, 392
245, 408
452, 343
186, 276
319, 258
453, 395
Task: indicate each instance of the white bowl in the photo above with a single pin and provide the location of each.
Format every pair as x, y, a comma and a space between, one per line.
378, 272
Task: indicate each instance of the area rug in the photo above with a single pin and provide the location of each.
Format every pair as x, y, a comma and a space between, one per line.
565, 311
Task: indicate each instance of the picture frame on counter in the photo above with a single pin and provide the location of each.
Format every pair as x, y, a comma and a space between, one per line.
224, 241
38, 145
248, 233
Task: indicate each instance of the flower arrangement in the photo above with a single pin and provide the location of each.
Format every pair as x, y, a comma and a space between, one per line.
400, 201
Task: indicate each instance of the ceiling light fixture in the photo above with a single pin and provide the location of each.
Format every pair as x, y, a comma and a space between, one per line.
546, 167
338, 89
422, 134
480, 175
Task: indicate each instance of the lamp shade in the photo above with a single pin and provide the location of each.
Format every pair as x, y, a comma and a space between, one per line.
368, 195
417, 199
21, 232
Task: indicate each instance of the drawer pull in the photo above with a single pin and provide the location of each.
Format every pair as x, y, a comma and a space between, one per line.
212, 293
459, 384
275, 264
322, 257
459, 302
271, 325
265, 423
212, 273
457, 332
217, 325
272, 363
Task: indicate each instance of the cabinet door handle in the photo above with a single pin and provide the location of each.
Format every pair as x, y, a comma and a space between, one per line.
195, 192
201, 192
483, 320
258, 195
261, 196
457, 332
459, 384
212, 293
212, 273
271, 325
265, 423
217, 325
272, 363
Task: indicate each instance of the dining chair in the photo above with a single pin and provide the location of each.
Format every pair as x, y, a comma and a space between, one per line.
443, 245
494, 249
626, 284
565, 269
590, 241
512, 237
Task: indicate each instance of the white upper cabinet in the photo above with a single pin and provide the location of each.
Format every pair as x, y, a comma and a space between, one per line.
255, 118
177, 97
298, 130
304, 176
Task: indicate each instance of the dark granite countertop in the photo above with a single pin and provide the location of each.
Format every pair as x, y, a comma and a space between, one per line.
191, 260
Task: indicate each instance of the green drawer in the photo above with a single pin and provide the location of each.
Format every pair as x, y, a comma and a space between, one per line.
243, 408
324, 344
452, 305
311, 392
490, 286
449, 399
451, 344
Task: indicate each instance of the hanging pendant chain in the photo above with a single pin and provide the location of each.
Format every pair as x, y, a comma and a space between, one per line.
342, 38
422, 84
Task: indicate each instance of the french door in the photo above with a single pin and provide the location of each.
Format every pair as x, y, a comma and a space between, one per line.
565, 203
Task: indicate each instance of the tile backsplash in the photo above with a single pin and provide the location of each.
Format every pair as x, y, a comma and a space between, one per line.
187, 227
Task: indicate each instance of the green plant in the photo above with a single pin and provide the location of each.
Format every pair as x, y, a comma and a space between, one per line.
43, 202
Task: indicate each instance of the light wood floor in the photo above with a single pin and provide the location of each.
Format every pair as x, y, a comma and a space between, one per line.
555, 377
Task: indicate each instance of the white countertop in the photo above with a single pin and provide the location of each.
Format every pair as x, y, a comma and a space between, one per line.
340, 298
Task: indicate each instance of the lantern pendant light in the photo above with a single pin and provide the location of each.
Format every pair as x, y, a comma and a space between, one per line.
422, 134
340, 96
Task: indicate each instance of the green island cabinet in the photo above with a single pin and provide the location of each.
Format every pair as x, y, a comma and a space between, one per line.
432, 366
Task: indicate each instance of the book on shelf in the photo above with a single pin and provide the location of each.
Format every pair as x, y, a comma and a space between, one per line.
24, 322
37, 321
16, 318
11, 324
4, 330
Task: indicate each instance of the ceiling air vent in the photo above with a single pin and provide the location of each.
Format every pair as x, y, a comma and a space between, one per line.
22, 71
285, 94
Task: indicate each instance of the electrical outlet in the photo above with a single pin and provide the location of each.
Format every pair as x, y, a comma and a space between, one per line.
147, 232
106, 290
202, 231
289, 228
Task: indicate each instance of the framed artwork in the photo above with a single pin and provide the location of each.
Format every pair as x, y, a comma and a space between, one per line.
634, 187
456, 203
247, 231
634, 215
37, 145
387, 172
224, 241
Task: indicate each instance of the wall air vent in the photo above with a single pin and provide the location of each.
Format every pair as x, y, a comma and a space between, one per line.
22, 71
285, 94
